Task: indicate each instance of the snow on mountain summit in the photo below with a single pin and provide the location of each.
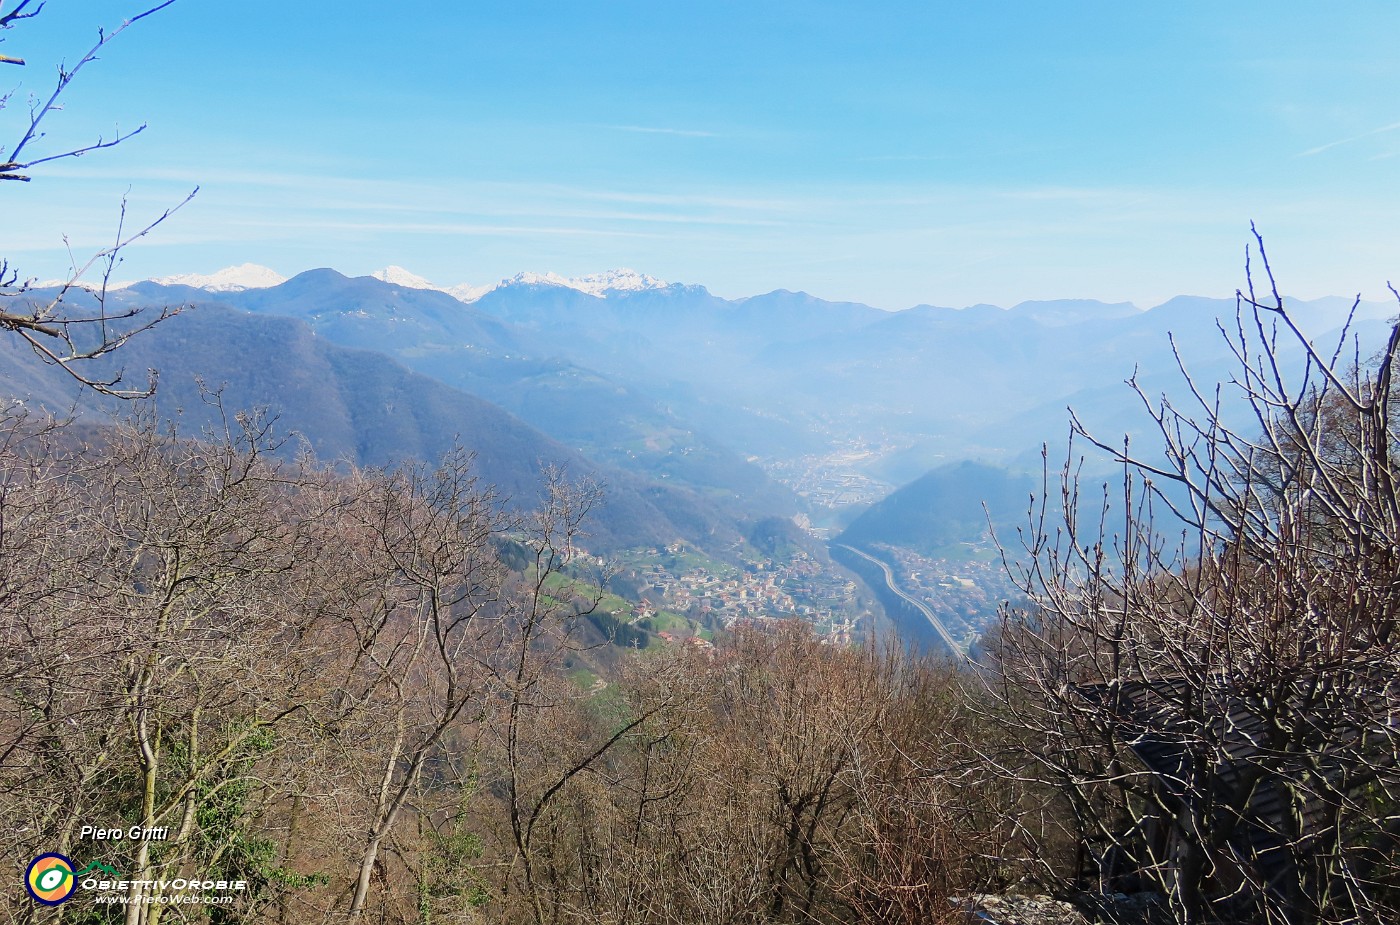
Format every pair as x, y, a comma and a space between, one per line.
398, 276
229, 279
466, 292
616, 281
597, 284
531, 278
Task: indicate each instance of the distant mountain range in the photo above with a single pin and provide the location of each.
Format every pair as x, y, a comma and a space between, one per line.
673, 395
253, 276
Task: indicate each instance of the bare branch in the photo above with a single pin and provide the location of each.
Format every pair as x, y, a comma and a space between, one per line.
61, 337
65, 77
57, 332
9, 19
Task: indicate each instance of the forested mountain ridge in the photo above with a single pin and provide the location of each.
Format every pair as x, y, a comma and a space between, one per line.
362, 407
605, 418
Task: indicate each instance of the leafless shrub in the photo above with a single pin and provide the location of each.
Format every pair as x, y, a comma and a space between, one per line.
1208, 679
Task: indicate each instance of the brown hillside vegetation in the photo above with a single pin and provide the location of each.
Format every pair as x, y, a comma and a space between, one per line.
330, 686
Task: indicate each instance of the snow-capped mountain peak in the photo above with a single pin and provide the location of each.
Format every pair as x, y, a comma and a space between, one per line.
596, 284
531, 278
398, 276
229, 279
621, 280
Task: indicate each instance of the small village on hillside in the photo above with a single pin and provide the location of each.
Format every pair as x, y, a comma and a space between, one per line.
678, 579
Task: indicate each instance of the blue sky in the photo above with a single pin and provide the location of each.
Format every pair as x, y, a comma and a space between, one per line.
891, 153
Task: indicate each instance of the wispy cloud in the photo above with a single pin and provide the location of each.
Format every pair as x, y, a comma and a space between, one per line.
881, 158
658, 130
1346, 141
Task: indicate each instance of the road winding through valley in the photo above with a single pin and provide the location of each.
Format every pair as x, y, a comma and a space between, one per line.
922, 607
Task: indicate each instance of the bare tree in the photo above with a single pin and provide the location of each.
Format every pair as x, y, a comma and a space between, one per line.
1209, 678
282, 668
770, 779
75, 323
419, 631
158, 648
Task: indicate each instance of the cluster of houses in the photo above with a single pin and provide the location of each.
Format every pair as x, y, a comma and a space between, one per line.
800, 587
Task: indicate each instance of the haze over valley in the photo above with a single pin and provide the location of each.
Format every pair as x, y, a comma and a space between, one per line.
708, 420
